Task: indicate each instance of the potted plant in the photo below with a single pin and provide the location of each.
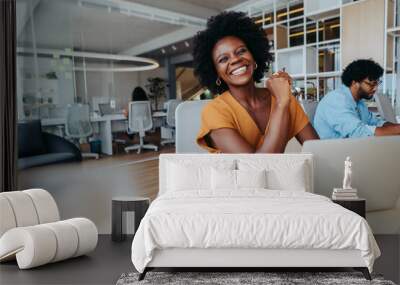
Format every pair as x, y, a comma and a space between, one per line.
156, 87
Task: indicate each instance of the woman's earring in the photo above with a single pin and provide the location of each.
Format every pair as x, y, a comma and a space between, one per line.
255, 66
218, 82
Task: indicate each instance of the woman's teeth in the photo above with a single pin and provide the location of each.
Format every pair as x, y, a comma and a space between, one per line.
239, 71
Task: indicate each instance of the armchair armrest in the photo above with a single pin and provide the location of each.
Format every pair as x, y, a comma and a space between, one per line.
55, 144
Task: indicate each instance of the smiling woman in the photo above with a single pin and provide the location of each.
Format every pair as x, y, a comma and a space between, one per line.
229, 57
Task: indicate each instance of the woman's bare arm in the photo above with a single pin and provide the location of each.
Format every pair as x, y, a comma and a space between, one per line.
230, 141
275, 140
307, 133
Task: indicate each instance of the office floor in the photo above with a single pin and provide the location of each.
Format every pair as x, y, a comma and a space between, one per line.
102, 266
119, 154
110, 260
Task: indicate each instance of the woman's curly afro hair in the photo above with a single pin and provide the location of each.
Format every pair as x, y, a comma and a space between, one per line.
235, 24
360, 69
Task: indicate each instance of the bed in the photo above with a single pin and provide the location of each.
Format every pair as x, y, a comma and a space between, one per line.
247, 211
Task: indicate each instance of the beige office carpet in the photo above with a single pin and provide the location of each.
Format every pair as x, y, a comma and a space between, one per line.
244, 278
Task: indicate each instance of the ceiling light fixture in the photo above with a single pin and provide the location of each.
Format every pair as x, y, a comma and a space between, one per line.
163, 51
149, 63
174, 47
187, 44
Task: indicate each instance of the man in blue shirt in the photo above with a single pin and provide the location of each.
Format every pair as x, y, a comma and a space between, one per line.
342, 113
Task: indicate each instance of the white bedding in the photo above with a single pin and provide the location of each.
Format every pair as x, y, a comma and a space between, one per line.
251, 218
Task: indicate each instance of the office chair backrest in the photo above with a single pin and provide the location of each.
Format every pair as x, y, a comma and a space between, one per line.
140, 118
385, 108
309, 108
188, 116
78, 121
171, 108
375, 168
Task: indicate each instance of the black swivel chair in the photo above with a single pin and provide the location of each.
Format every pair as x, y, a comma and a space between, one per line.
37, 148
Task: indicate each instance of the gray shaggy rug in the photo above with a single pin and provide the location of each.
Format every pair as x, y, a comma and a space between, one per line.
243, 278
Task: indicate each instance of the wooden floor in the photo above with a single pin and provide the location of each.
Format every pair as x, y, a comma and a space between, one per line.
111, 259
86, 188
120, 156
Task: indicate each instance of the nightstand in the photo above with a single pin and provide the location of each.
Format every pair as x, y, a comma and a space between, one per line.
122, 204
358, 206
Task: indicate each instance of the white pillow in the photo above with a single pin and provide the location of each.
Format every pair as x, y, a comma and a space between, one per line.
193, 175
288, 178
251, 178
183, 178
282, 174
225, 179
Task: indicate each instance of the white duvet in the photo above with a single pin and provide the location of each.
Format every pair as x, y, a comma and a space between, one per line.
253, 218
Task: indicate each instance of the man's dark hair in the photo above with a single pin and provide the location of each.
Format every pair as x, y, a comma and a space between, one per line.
361, 69
235, 24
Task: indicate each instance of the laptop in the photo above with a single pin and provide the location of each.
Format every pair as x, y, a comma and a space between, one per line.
105, 109
375, 167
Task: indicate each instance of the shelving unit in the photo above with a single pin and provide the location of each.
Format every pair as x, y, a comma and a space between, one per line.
316, 9
305, 36
315, 39
391, 86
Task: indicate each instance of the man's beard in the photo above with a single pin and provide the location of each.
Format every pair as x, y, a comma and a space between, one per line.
365, 95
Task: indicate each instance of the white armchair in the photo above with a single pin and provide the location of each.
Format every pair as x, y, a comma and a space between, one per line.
188, 116
31, 231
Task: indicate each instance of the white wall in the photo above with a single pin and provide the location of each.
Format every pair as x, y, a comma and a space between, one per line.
118, 85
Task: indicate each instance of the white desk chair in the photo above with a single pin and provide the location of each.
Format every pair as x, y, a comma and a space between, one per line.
385, 108
168, 132
78, 125
140, 121
188, 115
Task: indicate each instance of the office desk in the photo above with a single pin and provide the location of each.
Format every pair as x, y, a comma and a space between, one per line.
105, 130
159, 114
159, 118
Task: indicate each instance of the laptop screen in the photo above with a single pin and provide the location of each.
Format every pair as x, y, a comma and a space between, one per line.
105, 109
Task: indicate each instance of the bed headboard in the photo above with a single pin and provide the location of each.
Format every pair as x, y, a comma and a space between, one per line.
165, 161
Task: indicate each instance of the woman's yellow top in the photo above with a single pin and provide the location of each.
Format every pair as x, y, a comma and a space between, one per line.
226, 112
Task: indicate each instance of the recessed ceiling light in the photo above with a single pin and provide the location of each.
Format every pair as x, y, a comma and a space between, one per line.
187, 44
163, 51
174, 47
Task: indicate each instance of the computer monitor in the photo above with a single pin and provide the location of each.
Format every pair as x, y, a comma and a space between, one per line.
376, 168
